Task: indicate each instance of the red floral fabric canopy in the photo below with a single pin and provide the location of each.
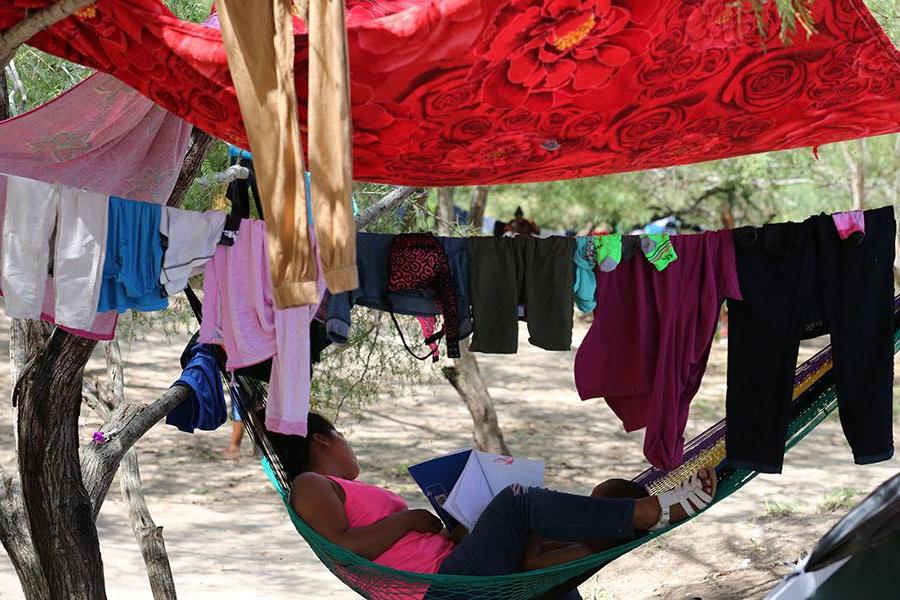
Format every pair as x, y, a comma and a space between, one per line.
457, 92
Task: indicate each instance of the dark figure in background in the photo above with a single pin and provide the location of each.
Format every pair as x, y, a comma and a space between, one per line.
522, 226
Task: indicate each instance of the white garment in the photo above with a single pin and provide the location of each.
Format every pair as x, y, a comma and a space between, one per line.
192, 238
33, 210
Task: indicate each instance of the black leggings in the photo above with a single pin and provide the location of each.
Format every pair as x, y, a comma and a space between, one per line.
800, 280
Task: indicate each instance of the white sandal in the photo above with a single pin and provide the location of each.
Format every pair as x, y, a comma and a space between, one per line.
689, 494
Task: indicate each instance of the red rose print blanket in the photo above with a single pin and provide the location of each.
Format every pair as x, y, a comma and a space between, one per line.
457, 92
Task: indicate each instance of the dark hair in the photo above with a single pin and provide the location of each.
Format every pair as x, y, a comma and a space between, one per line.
293, 450
519, 212
620, 488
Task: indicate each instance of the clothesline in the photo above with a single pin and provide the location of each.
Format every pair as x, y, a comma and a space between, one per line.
656, 299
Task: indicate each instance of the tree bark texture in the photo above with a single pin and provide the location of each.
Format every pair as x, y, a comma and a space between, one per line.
479, 202
127, 424
148, 535
466, 377
201, 142
59, 510
391, 201
21, 32
4, 95
16, 539
444, 215
26, 338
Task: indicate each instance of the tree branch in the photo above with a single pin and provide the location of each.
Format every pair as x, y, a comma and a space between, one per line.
390, 202
128, 422
146, 532
31, 24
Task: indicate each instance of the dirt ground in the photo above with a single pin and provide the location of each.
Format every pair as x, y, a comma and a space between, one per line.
228, 537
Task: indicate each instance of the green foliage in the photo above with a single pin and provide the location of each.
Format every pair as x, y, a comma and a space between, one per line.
190, 10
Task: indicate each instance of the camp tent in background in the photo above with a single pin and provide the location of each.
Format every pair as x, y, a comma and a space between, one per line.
858, 558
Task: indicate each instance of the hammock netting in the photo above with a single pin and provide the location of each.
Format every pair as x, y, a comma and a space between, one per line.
477, 92
815, 398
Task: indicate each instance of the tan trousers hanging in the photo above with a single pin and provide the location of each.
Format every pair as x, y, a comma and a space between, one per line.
330, 147
259, 41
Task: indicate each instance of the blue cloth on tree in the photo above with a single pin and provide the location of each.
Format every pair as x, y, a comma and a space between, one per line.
205, 409
134, 256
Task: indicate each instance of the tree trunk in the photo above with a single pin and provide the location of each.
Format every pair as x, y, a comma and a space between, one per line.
26, 338
444, 217
59, 510
856, 167
201, 142
4, 95
466, 377
479, 202
16, 539
147, 534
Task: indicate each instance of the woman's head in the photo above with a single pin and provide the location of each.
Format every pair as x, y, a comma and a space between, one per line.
323, 450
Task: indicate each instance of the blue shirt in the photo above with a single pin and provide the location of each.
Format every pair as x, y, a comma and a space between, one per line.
134, 255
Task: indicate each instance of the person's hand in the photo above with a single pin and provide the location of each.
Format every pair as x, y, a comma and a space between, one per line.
424, 521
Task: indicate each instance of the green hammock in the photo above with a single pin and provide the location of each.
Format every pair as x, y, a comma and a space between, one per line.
814, 399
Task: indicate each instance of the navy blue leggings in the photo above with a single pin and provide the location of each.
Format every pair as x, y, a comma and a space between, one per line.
497, 543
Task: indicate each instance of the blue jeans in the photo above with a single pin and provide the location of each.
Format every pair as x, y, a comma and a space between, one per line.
496, 545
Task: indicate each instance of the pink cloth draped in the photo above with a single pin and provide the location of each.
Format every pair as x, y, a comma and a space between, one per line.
102, 136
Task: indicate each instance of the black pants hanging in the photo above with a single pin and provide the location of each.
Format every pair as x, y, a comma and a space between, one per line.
800, 280
536, 272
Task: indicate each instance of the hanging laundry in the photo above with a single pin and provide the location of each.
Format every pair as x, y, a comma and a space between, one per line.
239, 313
102, 136
608, 251
259, 41
330, 145
429, 331
657, 247
34, 211
205, 409
134, 256
418, 262
373, 264
538, 273
189, 239
585, 279
788, 272
850, 223
647, 348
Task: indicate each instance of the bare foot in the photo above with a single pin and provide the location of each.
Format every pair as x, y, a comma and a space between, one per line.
232, 453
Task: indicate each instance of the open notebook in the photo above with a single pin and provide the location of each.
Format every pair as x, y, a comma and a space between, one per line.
461, 484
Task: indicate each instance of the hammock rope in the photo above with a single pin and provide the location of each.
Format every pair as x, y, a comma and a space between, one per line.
815, 398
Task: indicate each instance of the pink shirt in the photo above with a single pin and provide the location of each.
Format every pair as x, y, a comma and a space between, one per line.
239, 313
417, 552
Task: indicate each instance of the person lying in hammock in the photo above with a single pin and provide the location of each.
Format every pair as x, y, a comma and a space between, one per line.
510, 535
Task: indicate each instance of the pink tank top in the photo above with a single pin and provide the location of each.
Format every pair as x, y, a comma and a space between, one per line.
417, 552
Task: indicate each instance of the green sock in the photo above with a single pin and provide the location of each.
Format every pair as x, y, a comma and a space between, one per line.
608, 250
658, 249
